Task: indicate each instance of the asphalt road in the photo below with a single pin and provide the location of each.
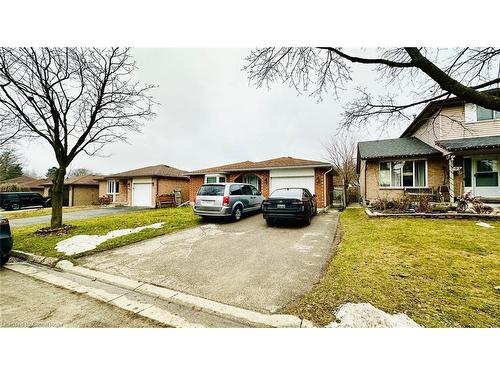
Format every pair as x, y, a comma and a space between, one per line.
27, 302
75, 215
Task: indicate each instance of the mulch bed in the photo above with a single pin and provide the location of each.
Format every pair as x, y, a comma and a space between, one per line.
429, 215
64, 229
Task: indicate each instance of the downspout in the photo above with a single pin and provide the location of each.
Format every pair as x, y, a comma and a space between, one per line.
324, 187
364, 198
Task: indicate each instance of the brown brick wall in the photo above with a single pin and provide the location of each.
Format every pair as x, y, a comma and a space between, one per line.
167, 185
319, 174
85, 195
436, 175
195, 183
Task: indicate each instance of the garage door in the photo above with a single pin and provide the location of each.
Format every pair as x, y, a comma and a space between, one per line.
142, 195
291, 182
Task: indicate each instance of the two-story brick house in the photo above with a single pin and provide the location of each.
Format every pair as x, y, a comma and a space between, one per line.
450, 143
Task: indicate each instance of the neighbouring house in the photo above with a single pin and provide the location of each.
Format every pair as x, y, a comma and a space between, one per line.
269, 175
140, 187
78, 191
27, 183
451, 146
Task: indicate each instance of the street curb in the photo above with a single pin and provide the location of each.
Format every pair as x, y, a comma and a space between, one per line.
34, 258
234, 313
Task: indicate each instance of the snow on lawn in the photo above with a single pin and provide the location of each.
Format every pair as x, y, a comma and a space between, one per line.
81, 243
365, 315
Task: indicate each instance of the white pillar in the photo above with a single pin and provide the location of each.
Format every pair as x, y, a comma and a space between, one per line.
451, 177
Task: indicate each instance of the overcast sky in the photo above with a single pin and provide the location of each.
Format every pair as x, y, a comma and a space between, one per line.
210, 115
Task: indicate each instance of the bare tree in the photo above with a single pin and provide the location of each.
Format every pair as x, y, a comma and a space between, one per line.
341, 153
75, 99
425, 74
79, 172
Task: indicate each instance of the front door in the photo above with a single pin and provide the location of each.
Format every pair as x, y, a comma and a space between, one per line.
483, 178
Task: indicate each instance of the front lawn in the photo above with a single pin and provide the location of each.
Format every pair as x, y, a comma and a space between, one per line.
440, 272
174, 218
42, 212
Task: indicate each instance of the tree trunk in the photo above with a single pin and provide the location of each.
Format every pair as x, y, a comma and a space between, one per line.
57, 197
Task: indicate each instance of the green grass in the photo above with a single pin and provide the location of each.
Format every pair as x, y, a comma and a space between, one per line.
41, 212
441, 273
174, 218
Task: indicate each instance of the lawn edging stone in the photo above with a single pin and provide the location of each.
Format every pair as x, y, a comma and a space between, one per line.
35, 258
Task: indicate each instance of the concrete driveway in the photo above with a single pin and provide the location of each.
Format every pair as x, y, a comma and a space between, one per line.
75, 215
245, 264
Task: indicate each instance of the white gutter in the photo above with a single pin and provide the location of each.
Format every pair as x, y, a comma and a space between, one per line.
324, 187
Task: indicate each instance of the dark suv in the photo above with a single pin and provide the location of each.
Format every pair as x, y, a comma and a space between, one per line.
18, 200
5, 240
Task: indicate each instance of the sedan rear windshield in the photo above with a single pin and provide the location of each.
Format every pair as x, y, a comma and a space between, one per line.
286, 193
214, 190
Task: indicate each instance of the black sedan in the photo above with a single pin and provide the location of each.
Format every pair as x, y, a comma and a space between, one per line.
5, 240
290, 204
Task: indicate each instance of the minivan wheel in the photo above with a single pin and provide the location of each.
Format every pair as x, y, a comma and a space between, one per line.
4, 259
237, 213
14, 206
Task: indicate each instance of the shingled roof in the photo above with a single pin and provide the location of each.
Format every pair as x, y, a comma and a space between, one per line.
397, 147
88, 179
160, 170
477, 143
282, 162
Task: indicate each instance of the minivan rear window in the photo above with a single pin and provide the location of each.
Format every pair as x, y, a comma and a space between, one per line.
211, 190
286, 193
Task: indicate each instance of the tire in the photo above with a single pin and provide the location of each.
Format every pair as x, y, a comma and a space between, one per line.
4, 259
270, 222
307, 220
237, 213
15, 206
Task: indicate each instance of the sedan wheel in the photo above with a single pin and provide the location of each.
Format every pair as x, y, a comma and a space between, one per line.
14, 206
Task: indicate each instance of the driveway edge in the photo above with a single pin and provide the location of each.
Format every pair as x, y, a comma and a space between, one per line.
237, 314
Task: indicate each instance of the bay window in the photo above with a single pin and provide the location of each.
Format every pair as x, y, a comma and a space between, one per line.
403, 173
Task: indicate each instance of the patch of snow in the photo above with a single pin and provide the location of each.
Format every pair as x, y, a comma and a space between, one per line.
365, 315
484, 225
81, 243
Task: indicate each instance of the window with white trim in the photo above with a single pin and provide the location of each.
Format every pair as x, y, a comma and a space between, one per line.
113, 186
403, 173
215, 178
484, 114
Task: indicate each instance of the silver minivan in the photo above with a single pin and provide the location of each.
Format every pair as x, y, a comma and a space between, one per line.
227, 199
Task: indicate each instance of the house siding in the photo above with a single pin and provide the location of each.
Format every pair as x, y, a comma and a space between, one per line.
450, 124
84, 195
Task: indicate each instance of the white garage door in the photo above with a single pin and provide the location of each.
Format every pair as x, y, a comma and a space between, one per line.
292, 182
142, 195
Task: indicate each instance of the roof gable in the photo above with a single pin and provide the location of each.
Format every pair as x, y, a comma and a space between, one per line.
282, 162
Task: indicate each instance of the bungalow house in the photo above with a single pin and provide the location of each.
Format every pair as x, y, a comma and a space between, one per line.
78, 190
27, 183
452, 145
269, 175
139, 187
